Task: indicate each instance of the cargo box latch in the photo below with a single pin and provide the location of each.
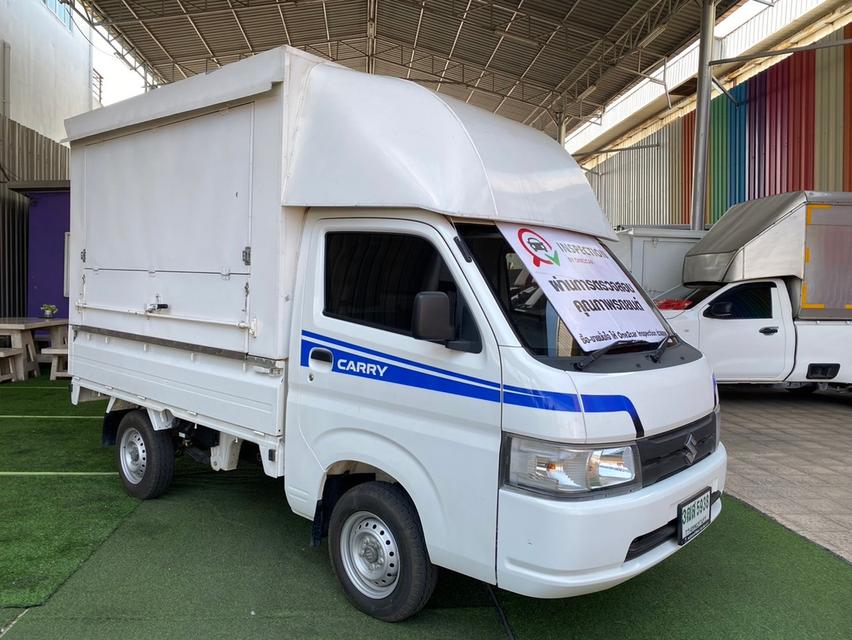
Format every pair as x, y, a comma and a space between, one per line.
247, 256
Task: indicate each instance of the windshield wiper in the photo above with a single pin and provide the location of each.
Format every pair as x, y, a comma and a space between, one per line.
594, 355
661, 348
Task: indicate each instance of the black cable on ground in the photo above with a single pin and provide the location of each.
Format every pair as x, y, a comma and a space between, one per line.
500, 613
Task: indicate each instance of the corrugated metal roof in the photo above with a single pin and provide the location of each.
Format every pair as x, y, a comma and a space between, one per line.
525, 59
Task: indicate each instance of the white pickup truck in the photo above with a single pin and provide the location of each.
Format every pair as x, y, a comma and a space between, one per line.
401, 305
768, 293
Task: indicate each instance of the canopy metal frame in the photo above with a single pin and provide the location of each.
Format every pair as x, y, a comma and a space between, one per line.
536, 61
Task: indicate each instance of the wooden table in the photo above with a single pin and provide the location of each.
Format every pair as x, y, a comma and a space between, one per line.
20, 331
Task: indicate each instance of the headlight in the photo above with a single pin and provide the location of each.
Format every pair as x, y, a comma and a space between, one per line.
569, 470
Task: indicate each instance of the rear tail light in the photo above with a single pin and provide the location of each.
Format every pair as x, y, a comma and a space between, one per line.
670, 304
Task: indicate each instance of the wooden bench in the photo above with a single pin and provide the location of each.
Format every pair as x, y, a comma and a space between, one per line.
58, 362
12, 359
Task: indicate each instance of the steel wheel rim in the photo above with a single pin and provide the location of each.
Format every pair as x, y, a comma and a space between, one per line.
133, 455
370, 555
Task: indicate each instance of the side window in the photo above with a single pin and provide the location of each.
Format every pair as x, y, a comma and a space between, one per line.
372, 279
747, 301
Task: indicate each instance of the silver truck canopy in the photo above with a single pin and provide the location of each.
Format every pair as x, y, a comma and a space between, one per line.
802, 234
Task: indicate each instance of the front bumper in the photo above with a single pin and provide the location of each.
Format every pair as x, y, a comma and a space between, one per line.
556, 548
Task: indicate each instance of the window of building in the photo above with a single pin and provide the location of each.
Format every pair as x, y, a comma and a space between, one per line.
61, 10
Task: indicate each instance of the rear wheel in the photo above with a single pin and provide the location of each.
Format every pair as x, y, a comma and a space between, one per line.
378, 552
145, 457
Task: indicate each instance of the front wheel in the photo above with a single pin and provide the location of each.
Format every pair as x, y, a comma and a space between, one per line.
378, 552
145, 457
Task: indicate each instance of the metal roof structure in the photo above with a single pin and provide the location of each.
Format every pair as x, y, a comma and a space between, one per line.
535, 61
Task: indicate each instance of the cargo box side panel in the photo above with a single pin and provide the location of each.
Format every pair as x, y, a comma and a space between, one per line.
820, 345
203, 309
826, 291
166, 219
220, 392
172, 198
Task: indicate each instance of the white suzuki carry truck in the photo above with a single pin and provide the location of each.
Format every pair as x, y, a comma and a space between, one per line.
401, 303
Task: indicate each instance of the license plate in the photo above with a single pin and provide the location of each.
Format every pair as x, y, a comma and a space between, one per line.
692, 516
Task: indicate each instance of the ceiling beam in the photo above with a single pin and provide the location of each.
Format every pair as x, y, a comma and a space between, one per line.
198, 33
654, 20
153, 37
89, 13
152, 15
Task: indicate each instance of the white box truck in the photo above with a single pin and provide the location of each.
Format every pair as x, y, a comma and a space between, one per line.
402, 303
767, 293
654, 255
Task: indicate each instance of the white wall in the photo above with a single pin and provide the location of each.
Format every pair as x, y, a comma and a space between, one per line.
49, 67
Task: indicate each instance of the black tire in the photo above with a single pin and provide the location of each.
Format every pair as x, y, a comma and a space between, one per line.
145, 458
416, 575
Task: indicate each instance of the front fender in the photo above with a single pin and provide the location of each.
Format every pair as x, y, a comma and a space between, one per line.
376, 450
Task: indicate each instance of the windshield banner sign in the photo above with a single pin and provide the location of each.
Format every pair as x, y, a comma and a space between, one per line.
586, 286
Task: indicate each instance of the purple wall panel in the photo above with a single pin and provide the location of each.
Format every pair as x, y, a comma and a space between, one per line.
50, 218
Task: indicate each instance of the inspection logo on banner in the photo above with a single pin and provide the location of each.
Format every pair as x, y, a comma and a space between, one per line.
588, 289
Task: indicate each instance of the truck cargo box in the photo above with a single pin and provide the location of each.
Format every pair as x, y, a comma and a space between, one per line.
803, 235
188, 206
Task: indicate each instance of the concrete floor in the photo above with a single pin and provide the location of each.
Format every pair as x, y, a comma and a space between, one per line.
791, 457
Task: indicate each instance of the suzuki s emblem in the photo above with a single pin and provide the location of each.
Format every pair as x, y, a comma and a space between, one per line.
691, 449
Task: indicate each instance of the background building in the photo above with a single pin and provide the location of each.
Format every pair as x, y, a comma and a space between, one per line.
785, 126
45, 76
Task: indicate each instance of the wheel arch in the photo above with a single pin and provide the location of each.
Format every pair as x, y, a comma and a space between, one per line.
382, 459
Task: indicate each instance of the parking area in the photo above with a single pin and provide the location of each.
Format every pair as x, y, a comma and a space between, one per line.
789, 458
221, 556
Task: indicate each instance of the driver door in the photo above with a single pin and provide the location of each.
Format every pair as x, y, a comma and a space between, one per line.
743, 333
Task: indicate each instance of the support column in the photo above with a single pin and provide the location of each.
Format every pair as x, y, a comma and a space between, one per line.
702, 115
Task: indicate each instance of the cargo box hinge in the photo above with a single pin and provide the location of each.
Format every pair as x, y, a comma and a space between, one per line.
83, 255
247, 256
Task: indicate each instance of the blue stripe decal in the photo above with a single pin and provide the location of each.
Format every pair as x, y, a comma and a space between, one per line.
365, 367
412, 363
456, 383
550, 400
613, 404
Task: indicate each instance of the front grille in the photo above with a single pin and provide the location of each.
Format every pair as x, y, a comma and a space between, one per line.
668, 453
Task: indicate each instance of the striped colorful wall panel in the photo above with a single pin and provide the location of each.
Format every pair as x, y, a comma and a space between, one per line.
790, 129
847, 112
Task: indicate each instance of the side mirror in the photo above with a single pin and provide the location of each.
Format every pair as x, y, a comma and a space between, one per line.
720, 309
430, 319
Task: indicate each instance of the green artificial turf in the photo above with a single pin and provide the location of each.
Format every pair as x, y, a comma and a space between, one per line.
53, 445
31, 400
7, 616
221, 556
49, 526
745, 577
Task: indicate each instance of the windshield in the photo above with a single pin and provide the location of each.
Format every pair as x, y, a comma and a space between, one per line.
682, 297
532, 316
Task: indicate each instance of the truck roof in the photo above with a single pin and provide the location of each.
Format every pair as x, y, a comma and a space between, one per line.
764, 237
360, 140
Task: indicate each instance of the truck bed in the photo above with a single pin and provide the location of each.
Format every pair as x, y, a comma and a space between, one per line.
823, 341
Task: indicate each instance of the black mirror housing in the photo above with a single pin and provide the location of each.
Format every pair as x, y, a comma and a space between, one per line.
431, 317
720, 309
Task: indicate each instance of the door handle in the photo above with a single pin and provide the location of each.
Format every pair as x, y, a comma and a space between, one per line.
768, 331
322, 355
